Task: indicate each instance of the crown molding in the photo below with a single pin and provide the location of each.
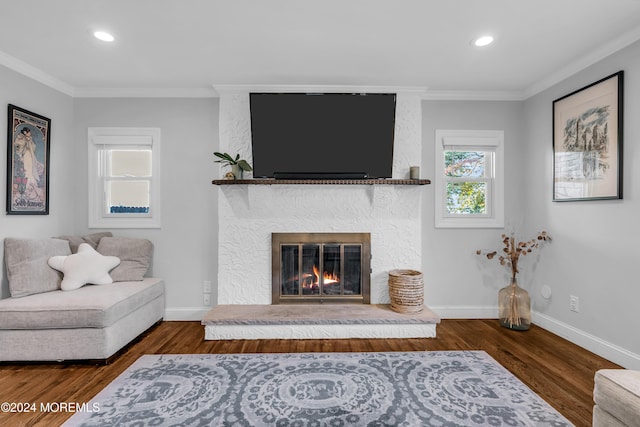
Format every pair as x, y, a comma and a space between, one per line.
454, 95
40, 76
231, 89
162, 92
36, 74
584, 62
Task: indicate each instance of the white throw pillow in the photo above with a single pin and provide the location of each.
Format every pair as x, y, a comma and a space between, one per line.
86, 266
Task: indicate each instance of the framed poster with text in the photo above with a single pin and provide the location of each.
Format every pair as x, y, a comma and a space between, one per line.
27, 162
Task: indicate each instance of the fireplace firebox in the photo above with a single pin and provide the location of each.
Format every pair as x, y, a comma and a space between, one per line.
321, 268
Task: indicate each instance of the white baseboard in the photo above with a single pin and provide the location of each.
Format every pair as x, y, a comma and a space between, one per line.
185, 313
602, 348
465, 312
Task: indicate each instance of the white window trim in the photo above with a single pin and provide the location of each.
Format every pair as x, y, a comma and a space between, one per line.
493, 139
122, 136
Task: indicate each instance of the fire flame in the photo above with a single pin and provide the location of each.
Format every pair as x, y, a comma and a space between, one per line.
327, 277
312, 280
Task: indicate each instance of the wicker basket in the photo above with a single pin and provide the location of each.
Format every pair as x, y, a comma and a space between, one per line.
406, 291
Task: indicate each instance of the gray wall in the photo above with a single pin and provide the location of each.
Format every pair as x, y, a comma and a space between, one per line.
596, 251
25, 93
457, 283
186, 245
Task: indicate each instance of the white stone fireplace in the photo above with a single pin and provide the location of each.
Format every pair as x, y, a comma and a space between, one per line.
249, 214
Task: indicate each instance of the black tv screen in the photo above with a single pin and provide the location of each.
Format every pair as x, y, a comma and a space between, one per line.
328, 135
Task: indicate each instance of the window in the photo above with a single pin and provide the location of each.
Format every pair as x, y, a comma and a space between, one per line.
124, 184
470, 178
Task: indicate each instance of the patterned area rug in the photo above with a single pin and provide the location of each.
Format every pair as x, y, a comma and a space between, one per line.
318, 389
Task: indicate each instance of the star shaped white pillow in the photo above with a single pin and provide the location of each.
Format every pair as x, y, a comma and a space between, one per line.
86, 266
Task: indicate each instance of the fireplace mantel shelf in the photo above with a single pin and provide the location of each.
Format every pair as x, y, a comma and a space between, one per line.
268, 181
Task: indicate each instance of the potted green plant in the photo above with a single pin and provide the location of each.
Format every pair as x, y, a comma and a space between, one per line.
238, 165
514, 303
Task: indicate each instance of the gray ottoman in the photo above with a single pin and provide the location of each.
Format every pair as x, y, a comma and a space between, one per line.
617, 398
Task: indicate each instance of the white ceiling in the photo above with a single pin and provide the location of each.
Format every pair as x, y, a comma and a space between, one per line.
186, 47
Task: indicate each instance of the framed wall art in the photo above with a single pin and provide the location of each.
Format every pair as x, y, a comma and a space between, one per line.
27, 162
587, 142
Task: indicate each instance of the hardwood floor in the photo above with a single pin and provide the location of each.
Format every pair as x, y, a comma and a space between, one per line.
557, 370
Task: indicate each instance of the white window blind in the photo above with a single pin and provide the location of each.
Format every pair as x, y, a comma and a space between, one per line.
124, 165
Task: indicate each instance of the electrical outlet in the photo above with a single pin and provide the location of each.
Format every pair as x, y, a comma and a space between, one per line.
206, 299
574, 303
206, 286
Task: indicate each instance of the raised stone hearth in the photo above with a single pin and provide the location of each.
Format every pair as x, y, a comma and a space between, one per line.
302, 321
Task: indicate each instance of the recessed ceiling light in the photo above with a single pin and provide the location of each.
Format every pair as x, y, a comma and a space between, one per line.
104, 36
483, 41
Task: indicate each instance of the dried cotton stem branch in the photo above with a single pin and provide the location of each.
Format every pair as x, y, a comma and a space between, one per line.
513, 249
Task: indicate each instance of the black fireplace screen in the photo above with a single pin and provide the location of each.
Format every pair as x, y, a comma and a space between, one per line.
321, 267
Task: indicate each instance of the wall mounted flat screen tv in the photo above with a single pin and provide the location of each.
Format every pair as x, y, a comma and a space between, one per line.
328, 135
